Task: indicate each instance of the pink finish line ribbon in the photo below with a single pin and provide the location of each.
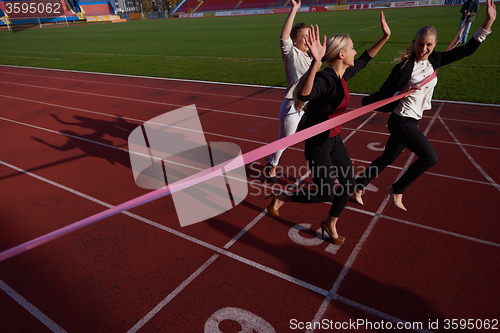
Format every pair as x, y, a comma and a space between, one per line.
209, 173
218, 170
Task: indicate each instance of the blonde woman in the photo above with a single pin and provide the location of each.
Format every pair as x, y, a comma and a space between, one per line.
327, 95
297, 61
418, 62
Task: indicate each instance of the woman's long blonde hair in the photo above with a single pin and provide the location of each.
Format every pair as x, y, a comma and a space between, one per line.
334, 44
406, 55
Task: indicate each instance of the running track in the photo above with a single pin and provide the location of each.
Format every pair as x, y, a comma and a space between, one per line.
64, 157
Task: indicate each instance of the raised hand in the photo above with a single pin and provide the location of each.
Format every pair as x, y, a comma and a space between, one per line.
384, 25
491, 15
296, 4
287, 27
314, 44
372, 51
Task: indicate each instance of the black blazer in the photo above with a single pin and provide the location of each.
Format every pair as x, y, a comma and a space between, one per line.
401, 73
326, 95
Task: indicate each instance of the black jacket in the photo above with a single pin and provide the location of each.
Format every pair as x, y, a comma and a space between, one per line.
401, 73
326, 95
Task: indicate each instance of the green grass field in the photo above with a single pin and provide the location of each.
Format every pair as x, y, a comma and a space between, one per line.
245, 49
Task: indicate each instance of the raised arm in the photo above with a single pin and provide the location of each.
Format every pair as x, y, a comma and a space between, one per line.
372, 51
287, 27
317, 50
491, 15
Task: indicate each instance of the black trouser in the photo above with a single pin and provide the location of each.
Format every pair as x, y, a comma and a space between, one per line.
327, 162
404, 133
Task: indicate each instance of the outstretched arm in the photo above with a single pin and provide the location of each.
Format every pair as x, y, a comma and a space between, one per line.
317, 50
491, 15
285, 33
372, 51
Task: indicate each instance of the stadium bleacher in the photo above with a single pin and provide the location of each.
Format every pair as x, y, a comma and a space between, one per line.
97, 8
191, 6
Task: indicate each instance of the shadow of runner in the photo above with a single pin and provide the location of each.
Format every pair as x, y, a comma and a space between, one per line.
94, 144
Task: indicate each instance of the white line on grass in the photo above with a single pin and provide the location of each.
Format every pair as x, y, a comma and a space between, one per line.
18, 56
397, 20
147, 55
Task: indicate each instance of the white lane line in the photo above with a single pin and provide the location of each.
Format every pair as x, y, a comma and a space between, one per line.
184, 284
467, 121
386, 134
191, 239
478, 167
136, 86
422, 226
171, 296
176, 233
206, 82
232, 113
415, 325
31, 308
146, 101
235, 138
244, 230
139, 121
266, 186
297, 183
347, 300
430, 140
359, 127
144, 77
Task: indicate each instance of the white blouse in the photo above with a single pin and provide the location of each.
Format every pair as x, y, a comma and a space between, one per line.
296, 64
416, 103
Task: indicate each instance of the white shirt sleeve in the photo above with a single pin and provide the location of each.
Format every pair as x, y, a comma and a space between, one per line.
296, 64
286, 46
481, 34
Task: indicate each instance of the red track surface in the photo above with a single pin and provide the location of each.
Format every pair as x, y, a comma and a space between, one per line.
64, 157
